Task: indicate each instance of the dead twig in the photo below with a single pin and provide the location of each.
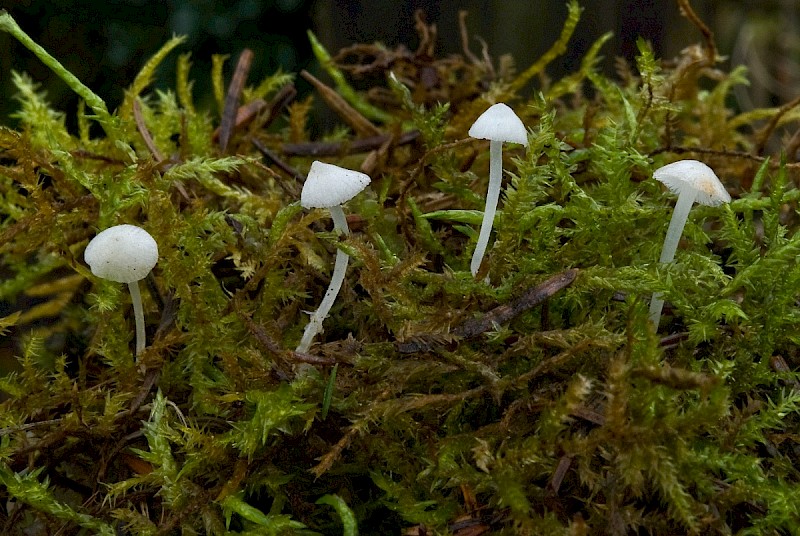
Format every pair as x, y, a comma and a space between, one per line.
280, 163
244, 115
281, 99
232, 98
145, 133
530, 299
711, 47
462, 26
247, 113
763, 136
720, 152
338, 148
360, 124
499, 315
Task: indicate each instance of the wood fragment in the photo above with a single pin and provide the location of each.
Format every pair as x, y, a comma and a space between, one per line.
427, 35
281, 100
232, 98
360, 124
244, 116
145, 133
247, 113
462, 25
271, 345
560, 472
282, 165
530, 299
375, 158
589, 414
764, 134
793, 145
499, 315
339, 148
711, 47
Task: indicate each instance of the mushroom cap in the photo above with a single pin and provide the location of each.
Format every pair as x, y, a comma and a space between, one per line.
691, 174
123, 253
499, 123
328, 185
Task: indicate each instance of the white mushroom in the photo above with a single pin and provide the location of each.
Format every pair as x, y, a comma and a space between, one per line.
125, 254
497, 124
692, 181
329, 186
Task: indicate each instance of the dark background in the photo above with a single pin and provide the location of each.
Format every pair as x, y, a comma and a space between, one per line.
105, 44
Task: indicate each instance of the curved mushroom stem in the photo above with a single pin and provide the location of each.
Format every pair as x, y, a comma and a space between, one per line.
314, 325
138, 314
492, 196
674, 232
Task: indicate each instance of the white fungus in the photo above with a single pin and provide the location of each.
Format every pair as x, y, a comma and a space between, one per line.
693, 181
124, 254
329, 186
498, 124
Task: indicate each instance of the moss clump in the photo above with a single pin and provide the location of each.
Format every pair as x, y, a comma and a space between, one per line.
434, 403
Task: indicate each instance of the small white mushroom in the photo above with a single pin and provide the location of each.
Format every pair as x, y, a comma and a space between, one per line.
329, 186
497, 124
692, 181
125, 254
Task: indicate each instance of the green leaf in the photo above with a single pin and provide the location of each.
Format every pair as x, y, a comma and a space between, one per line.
472, 217
345, 513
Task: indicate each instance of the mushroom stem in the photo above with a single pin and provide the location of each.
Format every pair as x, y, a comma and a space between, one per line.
138, 314
677, 223
339, 220
492, 196
314, 325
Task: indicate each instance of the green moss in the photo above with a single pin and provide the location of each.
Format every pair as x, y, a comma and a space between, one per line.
566, 413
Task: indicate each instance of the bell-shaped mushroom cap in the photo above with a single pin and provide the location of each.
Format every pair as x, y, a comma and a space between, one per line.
691, 174
499, 123
328, 185
123, 253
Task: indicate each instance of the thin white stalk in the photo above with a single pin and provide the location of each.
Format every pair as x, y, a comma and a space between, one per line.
138, 315
492, 196
339, 220
674, 232
314, 325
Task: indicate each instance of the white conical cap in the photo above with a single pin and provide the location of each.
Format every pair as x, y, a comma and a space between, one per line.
499, 123
123, 253
691, 174
328, 185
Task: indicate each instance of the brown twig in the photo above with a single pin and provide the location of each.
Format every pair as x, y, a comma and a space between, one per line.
462, 26
499, 315
271, 345
708, 35
232, 98
427, 35
283, 166
530, 299
247, 113
416, 172
763, 136
145, 133
360, 124
376, 158
560, 472
282, 98
793, 145
244, 115
719, 152
327, 460
338, 148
